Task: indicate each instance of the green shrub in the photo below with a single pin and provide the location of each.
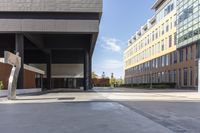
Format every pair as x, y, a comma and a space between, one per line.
1, 85
147, 85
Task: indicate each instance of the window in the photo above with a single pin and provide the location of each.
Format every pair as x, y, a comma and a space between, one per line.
171, 23
175, 38
163, 29
174, 76
191, 55
181, 55
168, 9
186, 53
153, 36
198, 50
191, 75
175, 57
167, 60
180, 77
185, 77
163, 46
175, 21
167, 25
170, 41
171, 59
156, 33
163, 61
156, 62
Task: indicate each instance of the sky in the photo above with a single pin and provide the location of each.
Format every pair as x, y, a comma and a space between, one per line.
120, 20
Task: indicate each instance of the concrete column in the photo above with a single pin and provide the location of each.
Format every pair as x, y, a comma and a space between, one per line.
19, 47
90, 72
49, 86
86, 71
41, 81
74, 83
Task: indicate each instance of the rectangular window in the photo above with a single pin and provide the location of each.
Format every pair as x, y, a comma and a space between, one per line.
191, 75
175, 38
180, 77
181, 55
191, 54
171, 59
156, 62
153, 36
174, 76
186, 53
163, 45
198, 50
163, 61
163, 29
156, 33
185, 77
175, 21
175, 57
170, 40
167, 60
171, 23
167, 25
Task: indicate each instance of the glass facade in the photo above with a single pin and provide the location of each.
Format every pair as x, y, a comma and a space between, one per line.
188, 14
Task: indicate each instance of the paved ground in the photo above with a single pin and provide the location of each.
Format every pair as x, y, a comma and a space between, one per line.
105, 110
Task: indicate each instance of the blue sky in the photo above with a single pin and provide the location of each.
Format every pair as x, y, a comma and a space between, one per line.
120, 20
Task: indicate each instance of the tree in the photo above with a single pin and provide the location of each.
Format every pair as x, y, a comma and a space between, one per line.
112, 80
1, 85
94, 75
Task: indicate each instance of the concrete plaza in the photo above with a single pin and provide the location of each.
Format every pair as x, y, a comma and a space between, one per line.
103, 110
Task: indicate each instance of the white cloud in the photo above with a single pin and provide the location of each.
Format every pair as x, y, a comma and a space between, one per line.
111, 44
112, 64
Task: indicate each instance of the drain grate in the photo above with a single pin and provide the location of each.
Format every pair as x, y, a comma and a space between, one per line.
66, 98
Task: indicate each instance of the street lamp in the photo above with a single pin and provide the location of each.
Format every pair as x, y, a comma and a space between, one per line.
150, 72
198, 68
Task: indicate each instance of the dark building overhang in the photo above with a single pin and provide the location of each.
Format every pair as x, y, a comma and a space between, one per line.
157, 4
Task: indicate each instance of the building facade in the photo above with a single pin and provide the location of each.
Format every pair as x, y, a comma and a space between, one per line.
57, 36
166, 48
188, 36
147, 58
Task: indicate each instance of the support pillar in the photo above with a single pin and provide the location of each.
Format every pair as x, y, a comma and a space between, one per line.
49, 72
41, 82
90, 72
19, 47
87, 66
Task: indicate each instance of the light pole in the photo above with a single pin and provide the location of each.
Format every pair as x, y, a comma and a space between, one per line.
150, 72
151, 84
198, 75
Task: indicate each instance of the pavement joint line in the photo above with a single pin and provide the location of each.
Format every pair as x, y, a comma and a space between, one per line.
166, 124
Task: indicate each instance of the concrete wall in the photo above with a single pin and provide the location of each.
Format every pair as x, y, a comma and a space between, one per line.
50, 25
64, 70
39, 25
52, 5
